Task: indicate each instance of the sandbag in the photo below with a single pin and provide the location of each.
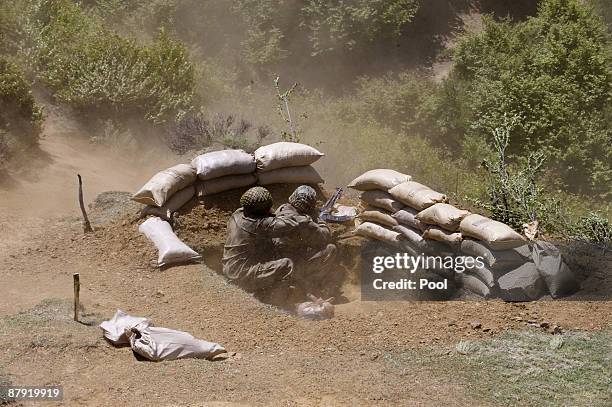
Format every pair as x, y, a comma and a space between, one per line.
416, 195
223, 163
290, 175
496, 235
556, 274
176, 202
407, 216
410, 234
483, 274
441, 235
374, 231
222, 184
115, 329
473, 285
381, 199
171, 249
377, 216
495, 259
164, 184
443, 215
522, 284
383, 179
156, 344
285, 154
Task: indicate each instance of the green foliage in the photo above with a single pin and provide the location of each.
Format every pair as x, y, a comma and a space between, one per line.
347, 24
20, 117
95, 69
595, 229
553, 71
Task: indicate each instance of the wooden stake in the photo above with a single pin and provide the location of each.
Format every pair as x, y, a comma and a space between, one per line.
86, 225
77, 288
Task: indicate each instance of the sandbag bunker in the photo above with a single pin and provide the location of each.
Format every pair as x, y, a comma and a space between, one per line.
420, 221
212, 173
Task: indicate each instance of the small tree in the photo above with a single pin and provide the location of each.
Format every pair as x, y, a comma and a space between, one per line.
285, 112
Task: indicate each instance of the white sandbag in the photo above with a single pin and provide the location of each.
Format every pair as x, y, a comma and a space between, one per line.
407, 216
411, 235
285, 154
290, 175
171, 249
558, 277
115, 328
374, 231
416, 195
156, 344
441, 235
443, 215
227, 183
223, 163
381, 199
164, 184
377, 216
473, 285
316, 308
176, 202
495, 234
495, 259
383, 179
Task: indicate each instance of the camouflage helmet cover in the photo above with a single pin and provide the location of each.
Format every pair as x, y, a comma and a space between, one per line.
256, 199
304, 198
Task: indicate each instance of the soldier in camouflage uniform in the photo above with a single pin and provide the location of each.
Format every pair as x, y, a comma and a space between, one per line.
310, 246
250, 257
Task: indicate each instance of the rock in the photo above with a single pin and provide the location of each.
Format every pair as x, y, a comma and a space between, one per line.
476, 325
522, 284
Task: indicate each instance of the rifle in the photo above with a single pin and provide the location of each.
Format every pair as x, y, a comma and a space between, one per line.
325, 213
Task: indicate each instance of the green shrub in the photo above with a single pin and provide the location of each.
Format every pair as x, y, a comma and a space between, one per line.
95, 69
554, 72
20, 117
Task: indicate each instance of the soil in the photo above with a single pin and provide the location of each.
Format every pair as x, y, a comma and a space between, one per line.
274, 358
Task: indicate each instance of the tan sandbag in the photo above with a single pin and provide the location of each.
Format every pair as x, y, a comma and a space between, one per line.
290, 175
381, 199
416, 195
164, 184
495, 234
377, 216
222, 184
495, 259
407, 216
223, 163
374, 231
285, 154
383, 179
411, 235
441, 235
473, 285
443, 215
176, 202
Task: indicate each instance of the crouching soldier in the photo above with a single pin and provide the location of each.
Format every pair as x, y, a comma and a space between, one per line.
250, 256
310, 246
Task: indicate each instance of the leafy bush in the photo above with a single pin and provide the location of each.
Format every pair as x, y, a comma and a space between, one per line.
20, 117
553, 72
95, 69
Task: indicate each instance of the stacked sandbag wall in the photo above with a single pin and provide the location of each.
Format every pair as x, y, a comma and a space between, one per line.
406, 213
212, 173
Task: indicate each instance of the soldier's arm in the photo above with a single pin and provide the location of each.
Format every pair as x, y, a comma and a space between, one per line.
278, 226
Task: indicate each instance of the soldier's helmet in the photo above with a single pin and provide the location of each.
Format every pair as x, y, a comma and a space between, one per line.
304, 198
257, 200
